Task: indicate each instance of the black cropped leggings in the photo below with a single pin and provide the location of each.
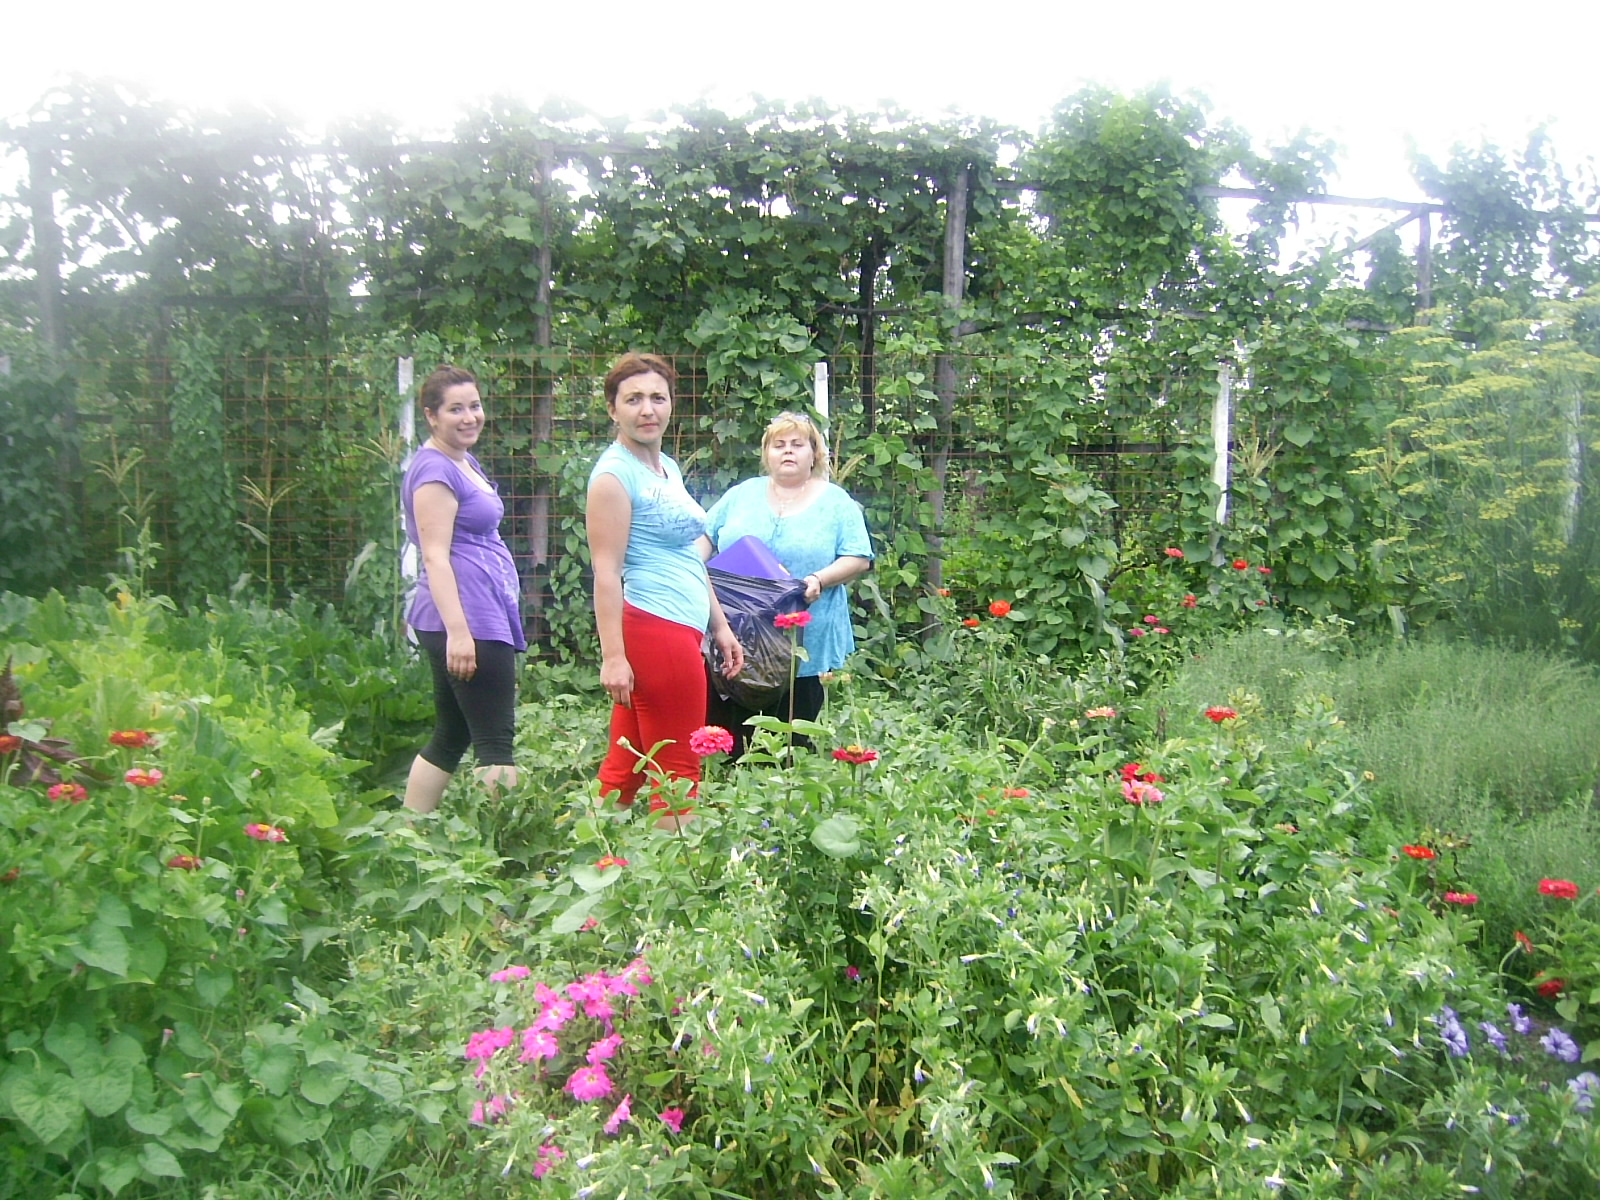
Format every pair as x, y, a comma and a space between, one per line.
479, 712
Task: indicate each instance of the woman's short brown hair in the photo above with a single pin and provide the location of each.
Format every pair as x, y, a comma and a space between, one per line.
634, 363
439, 382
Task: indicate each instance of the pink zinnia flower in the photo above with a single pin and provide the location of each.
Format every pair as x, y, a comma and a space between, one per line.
794, 620
185, 862
1461, 897
1561, 889
1103, 711
139, 777
513, 972
265, 833
672, 1118
589, 1083
133, 739
709, 740
1189, 600
623, 1112
1137, 791
1173, 552
72, 793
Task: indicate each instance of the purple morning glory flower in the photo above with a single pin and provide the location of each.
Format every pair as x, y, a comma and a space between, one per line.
1585, 1088
1519, 1022
1558, 1044
1493, 1035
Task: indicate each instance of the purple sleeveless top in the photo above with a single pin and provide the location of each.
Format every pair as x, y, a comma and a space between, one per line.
486, 576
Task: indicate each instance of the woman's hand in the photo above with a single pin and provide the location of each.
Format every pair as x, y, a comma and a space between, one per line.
616, 676
813, 588
731, 653
460, 655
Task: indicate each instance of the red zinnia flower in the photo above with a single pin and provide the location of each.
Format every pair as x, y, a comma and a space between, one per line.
794, 620
709, 740
1016, 793
1265, 570
610, 860
1219, 714
1461, 897
10, 743
943, 591
1551, 988
134, 739
1240, 564
1173, 552
855, 754
1526, 942
72, 793
1189, 600
184, 862
999, 608
1135, 770
1561, 889
971, 622
1422, 852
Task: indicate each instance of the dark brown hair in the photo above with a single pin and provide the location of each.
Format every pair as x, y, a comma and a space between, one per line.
633, 363
441, 381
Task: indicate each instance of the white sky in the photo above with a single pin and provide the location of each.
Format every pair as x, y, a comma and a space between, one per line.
1365, 74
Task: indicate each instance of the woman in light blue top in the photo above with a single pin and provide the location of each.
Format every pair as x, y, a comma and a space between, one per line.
653, 604
818, 533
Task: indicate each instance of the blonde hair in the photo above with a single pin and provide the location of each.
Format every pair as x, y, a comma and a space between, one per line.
789, 422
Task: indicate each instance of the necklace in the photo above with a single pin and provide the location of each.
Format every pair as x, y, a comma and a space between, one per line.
654, 468
782, 502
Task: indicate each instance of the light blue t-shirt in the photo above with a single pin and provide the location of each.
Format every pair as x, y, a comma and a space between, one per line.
805, 543
661, 571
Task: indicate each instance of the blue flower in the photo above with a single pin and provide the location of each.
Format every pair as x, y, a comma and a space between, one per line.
1519, 1022
1493, 1035
1557, 1043
1585, 1088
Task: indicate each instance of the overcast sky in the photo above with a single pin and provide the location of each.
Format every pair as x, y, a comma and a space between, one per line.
1367, 75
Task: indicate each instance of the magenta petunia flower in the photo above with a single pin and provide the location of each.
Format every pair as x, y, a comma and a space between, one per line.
590, 1083
672, 1118
623, 1112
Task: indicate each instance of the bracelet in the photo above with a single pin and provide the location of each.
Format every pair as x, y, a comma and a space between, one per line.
818, 578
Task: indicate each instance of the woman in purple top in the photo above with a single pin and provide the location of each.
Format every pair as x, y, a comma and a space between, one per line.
465, 614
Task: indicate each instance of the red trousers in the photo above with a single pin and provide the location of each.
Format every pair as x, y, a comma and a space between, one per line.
669, 703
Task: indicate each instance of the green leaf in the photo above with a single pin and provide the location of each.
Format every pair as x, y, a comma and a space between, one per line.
104, 947
369, 1147
1299, 433
157, 1160
272, 1067
46, 1102
212, 985
116, 1168
324, 1083
106, 1087
592, 880
576, 914
837, 837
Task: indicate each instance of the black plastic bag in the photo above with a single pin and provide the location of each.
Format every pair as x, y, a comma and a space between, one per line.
750, 604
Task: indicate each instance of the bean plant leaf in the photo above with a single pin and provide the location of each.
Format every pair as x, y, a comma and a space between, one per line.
576, 914
369, 1147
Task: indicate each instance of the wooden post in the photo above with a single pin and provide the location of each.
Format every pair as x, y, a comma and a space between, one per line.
1424, 266
1221, 447
944, 368
543, 411
46, 247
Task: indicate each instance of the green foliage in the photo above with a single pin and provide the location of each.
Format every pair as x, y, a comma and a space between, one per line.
204, 505
39, 534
